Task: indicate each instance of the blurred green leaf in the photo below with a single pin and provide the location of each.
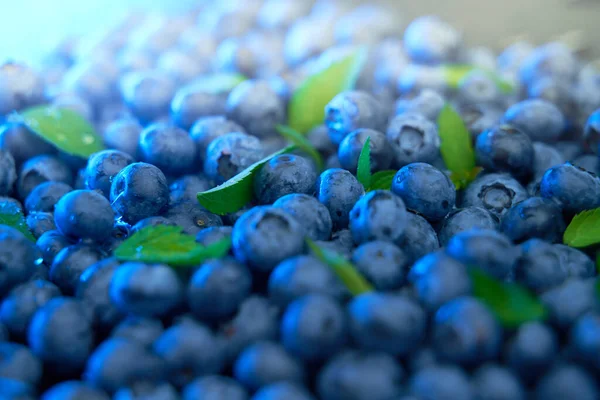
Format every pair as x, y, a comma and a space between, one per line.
11, 215
584, 229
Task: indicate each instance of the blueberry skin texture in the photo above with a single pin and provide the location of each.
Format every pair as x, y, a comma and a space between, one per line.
213, 234
496, 382
386, 322
192, 217
413, 138
539, 267
438, 278
102, 167
217, 289
169, 148
427, 103
18, 362
141, 330
145, 290
22, 143
45, 196
419, 238
42, 169
541, 120
147, 391
441, 382
581, 298
84, 214
591, 132
207, 129
319, 138
265, 236
139, 191
265, 363
116, 363
147, 94
214, 387
70, 263
151, 221
74, 390
505, 149
51, 243
230, 154
39, 223
425, 190
283, 391
188, 351
191, 103
567, 382
381, 263
123, 135
380, 376
8, 172
496, 193
187, 188
61, 334
584, 340
351, 146
465, 219
489, 250
352, 110
282, 175
22, 302
339, 190
535, 217
379, 215
309, 212
574, 188
545, 156
314, 327
19, 259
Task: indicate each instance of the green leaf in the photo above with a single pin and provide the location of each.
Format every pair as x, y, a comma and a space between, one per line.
302, 143
512, 303
65, 129
584, 229
218, 83
307, 105
382, 180
168, 245
363, 172
347, 273
462, 179
234, 194
11, 215
455, 73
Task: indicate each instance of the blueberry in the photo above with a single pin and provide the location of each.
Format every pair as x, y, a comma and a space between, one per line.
42, 169
265, 236
417, 77
590, 162
192, 217
45, 196
282, 175
139, 191
567, 382
319, 139
381, 263
478, 87
465, 219
147, 94
84, 214
51, 243
217, 289
569, 301
495, 382
213, 234
102, 167
539, 266
379, 215
535, 217
532, 350
352, 110
505, 149
309, 212
585, 340
314, 327
169, 148
151, 221
255, 106
214, 387
22, 302
74, 390
430, 40
230, 154
147, 391
385, 322
355, 375
425, 190
187, 351
76, 103
351, 147
19, 258
22, 143
39, 223
574, 188
70, 263
427, 103
145, 290
8, 172
591, 133
123, 135
21, 87
283, 391
181, 65
61, 334
438, 278
419, 238
18, 362
339, 190
541, 120
207, 129
141, 330
119, 362
480, 117
192, 102
553, 59
413, 138
496, 193
3, 333
93, 80
441, 382
575, 262
186, 188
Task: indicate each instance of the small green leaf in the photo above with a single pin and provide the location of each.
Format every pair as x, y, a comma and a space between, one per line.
307, 105
584, 229
234, 194
302, 143
512, 303
363, 172
347, 273
382, 180
168, 245
11, 215
462, 179
218, 83
65, 129
455, 73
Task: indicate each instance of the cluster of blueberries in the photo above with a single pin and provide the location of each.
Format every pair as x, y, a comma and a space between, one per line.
271, 321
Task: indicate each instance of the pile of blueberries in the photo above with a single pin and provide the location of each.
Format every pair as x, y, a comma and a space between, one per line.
271, 321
